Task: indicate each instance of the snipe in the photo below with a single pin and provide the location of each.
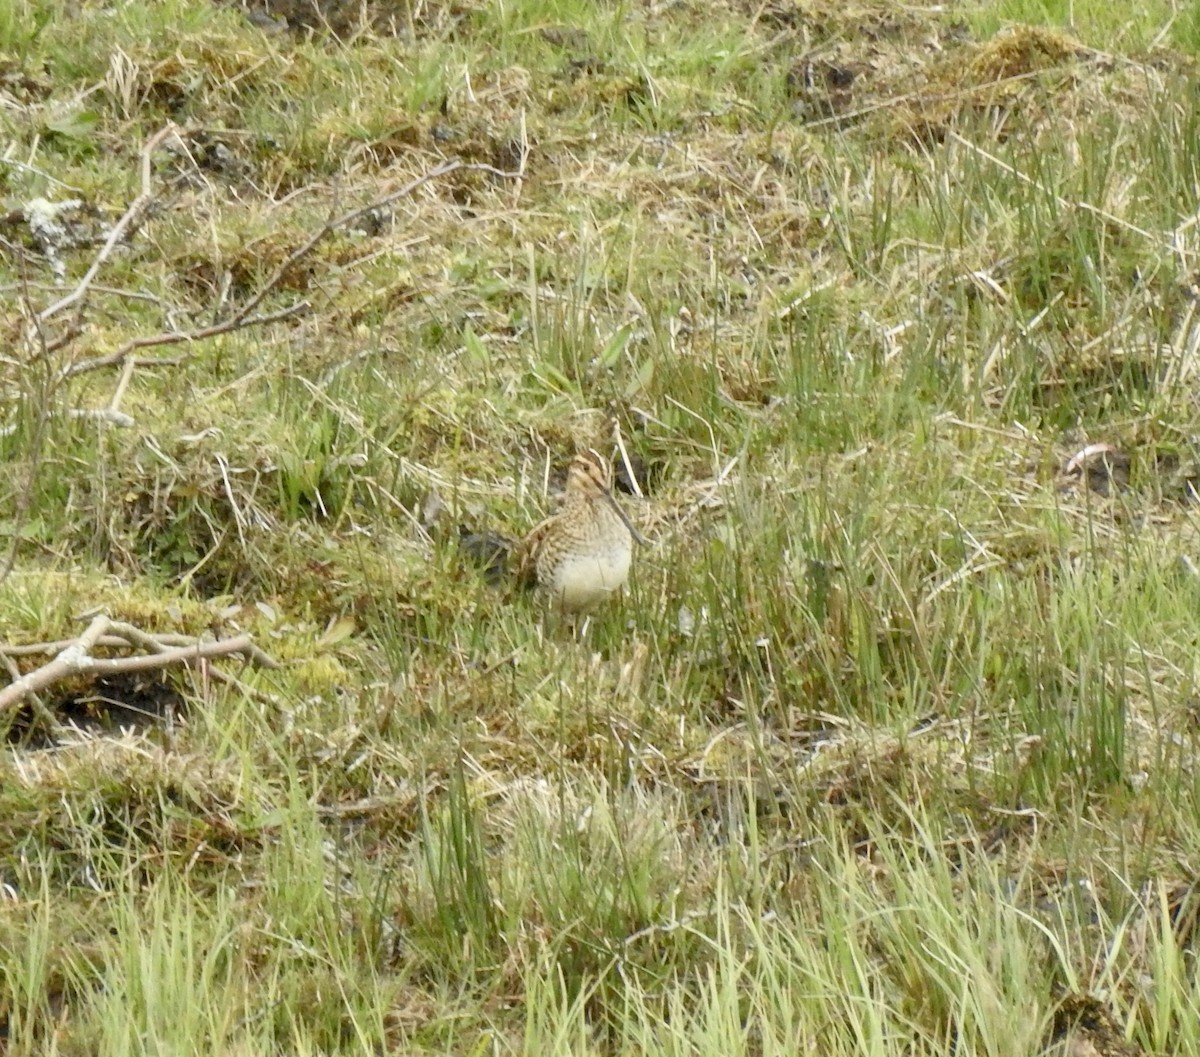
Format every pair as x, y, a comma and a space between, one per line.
581, 555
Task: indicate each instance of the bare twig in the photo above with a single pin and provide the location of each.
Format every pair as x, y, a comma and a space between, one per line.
243, 318
43, 714
163, 643
100, 414
96, 288
38, 649
329, 226
122, 384
47, 345
76, 657
131, 216
177, 337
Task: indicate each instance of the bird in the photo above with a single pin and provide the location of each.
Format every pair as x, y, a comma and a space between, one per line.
581, 555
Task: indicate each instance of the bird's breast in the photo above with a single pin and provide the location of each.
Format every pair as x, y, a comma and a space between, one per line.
579, 581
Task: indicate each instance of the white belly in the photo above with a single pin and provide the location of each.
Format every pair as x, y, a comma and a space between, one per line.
582, 582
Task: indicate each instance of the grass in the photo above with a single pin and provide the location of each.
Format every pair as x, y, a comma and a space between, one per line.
889, 747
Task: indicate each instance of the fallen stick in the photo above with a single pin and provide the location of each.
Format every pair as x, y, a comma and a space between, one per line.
176, 337
242, 318
76, 657
131, 215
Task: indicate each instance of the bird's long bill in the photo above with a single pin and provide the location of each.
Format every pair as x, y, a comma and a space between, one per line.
625, 518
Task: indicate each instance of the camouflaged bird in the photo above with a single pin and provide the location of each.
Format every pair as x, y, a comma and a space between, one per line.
581, 555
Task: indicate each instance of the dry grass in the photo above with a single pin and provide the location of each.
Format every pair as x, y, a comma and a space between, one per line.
889, 748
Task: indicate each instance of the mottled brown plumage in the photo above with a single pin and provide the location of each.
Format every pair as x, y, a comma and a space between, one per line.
581, 555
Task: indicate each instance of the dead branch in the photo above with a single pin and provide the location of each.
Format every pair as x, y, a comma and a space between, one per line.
40, 649
43, 714
332, 225
103, 414
75, 657
131, 216
243, 317
111, 359
164, 643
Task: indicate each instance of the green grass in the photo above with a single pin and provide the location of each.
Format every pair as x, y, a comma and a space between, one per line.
889, 747
1099, 25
